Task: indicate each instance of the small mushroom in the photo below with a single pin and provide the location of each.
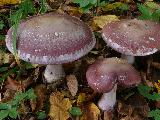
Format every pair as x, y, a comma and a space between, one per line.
132, 37
52, 39
103, 76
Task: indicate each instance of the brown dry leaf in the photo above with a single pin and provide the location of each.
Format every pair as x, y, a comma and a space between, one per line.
124, 109
100, 21
157, 103
60, 106
40, 91
4, 2
55, 4
90, 112
74, 11
132, 118
8, 95
14, 85
108, 115
72, 84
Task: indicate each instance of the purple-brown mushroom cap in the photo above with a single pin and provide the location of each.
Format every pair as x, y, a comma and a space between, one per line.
133, 37
105, 73
51, 39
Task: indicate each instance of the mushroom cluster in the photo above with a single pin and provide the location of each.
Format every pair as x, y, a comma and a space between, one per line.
104, 75
52, 39
132, 37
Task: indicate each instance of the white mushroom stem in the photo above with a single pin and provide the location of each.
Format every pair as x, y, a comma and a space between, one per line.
53, 73
129, 58
108, 100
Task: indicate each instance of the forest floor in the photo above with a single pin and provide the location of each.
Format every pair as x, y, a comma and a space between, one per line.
24, 93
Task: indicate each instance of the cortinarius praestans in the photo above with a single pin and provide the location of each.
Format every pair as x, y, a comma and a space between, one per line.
104, 74
133, 37
52, 39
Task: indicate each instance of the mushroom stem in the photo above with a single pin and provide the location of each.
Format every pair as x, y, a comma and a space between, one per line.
53, 73
108, 100
129, 58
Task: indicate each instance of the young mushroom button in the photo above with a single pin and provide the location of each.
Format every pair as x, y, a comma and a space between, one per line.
132, 37
52, 39
104, 74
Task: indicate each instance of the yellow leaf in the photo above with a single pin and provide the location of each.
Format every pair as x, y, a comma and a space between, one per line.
60, 106
112, 6
100, 21
81, 98
127, 1
157, 85
6, 57
4, 2
90, 112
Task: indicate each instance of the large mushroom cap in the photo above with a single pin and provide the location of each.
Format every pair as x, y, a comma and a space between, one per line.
103, 74
133, 37
52, 39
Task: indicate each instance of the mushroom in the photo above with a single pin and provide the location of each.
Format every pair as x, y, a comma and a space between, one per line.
104, 75
132, 37
52, 39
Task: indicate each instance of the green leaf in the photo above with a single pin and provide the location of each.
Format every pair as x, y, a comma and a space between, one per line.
145, 91
101, 4
3, 114
2, 37
4, 106
27, 7
156, 15
1, 25
13, 113
76, 111
155, 114
3, 69
92, 1
41, 115
82, 3
30, 94
4, 76
87, 8
145, 12
20, 96
43, 7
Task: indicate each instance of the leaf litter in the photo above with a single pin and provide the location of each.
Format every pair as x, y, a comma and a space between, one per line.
74, 92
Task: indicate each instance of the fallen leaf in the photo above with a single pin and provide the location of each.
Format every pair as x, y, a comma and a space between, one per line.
90, 112
124, 109
40, 91
14, 85
157, 104
157, 85
81, 98
108, 115
55, 4
127, 1
100, 21
74, 11
6, 57
7, 95
60, 106
114, 6
5, 2
72, 84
